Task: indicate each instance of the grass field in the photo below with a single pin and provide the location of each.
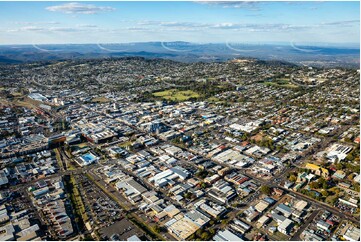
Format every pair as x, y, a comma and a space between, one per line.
24, 104
176, 95
4, 101
16, 94
213, 99
82, 145
125, 144
100, 100
281, 82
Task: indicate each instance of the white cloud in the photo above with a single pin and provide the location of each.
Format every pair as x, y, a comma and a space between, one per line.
32, 28
254, 27
37, 23
221, 26
38, 29
87, 25
250, 5
79, 8
342, 23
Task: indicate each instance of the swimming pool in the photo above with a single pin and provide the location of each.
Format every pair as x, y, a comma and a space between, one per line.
89, 157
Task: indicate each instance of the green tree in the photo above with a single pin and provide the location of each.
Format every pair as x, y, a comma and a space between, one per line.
199, 232
314, 185
324, 193
265, 190
356, 186
224, 221
292, 178
331, 199
339, 166
187, 195
205, 236
156, 228
203, 185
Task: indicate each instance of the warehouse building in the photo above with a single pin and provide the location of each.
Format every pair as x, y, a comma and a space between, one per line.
226, 235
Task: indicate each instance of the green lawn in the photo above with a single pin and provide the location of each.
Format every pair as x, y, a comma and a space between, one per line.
82, 145
176, 95
213, 99
100, 100
281, 82
125, 144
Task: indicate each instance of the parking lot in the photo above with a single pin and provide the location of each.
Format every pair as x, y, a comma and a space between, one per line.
121, 230
345, 208
101, 210
324, 215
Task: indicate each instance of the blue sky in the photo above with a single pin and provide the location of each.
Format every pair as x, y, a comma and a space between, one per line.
199, 22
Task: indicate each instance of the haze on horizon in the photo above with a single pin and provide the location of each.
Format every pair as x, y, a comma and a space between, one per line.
197, 22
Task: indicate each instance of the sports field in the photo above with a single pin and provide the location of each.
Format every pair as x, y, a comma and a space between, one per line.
176, 95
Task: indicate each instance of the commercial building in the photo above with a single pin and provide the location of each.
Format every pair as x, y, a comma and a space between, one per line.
323, 225
317, 170
7, 233
261, 206
286, 226
226, 235
338, 152
352, 234
285, 210
87, 159
222, 191
263, 220
182, 226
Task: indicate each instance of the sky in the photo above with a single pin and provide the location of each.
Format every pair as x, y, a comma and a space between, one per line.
197, 22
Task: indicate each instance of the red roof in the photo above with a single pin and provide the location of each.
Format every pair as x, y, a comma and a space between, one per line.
357, 140
244, 143
330, 222
242, 180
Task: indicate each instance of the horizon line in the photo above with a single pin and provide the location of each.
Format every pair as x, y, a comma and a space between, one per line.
339, 44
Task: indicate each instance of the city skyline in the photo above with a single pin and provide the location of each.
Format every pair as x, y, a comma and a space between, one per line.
180, 121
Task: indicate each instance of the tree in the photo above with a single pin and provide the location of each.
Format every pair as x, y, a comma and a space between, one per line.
292, 178
314, 185
356, 186
199, 232
339, 166
331, 199
224, 221
192, 237
156, 228
205, 236
87, 238
324, 185
324, 193
203, 185
350, 177
202, 174
265, 190
188, 195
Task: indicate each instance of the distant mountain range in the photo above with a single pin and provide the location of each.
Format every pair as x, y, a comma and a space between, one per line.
328, 56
